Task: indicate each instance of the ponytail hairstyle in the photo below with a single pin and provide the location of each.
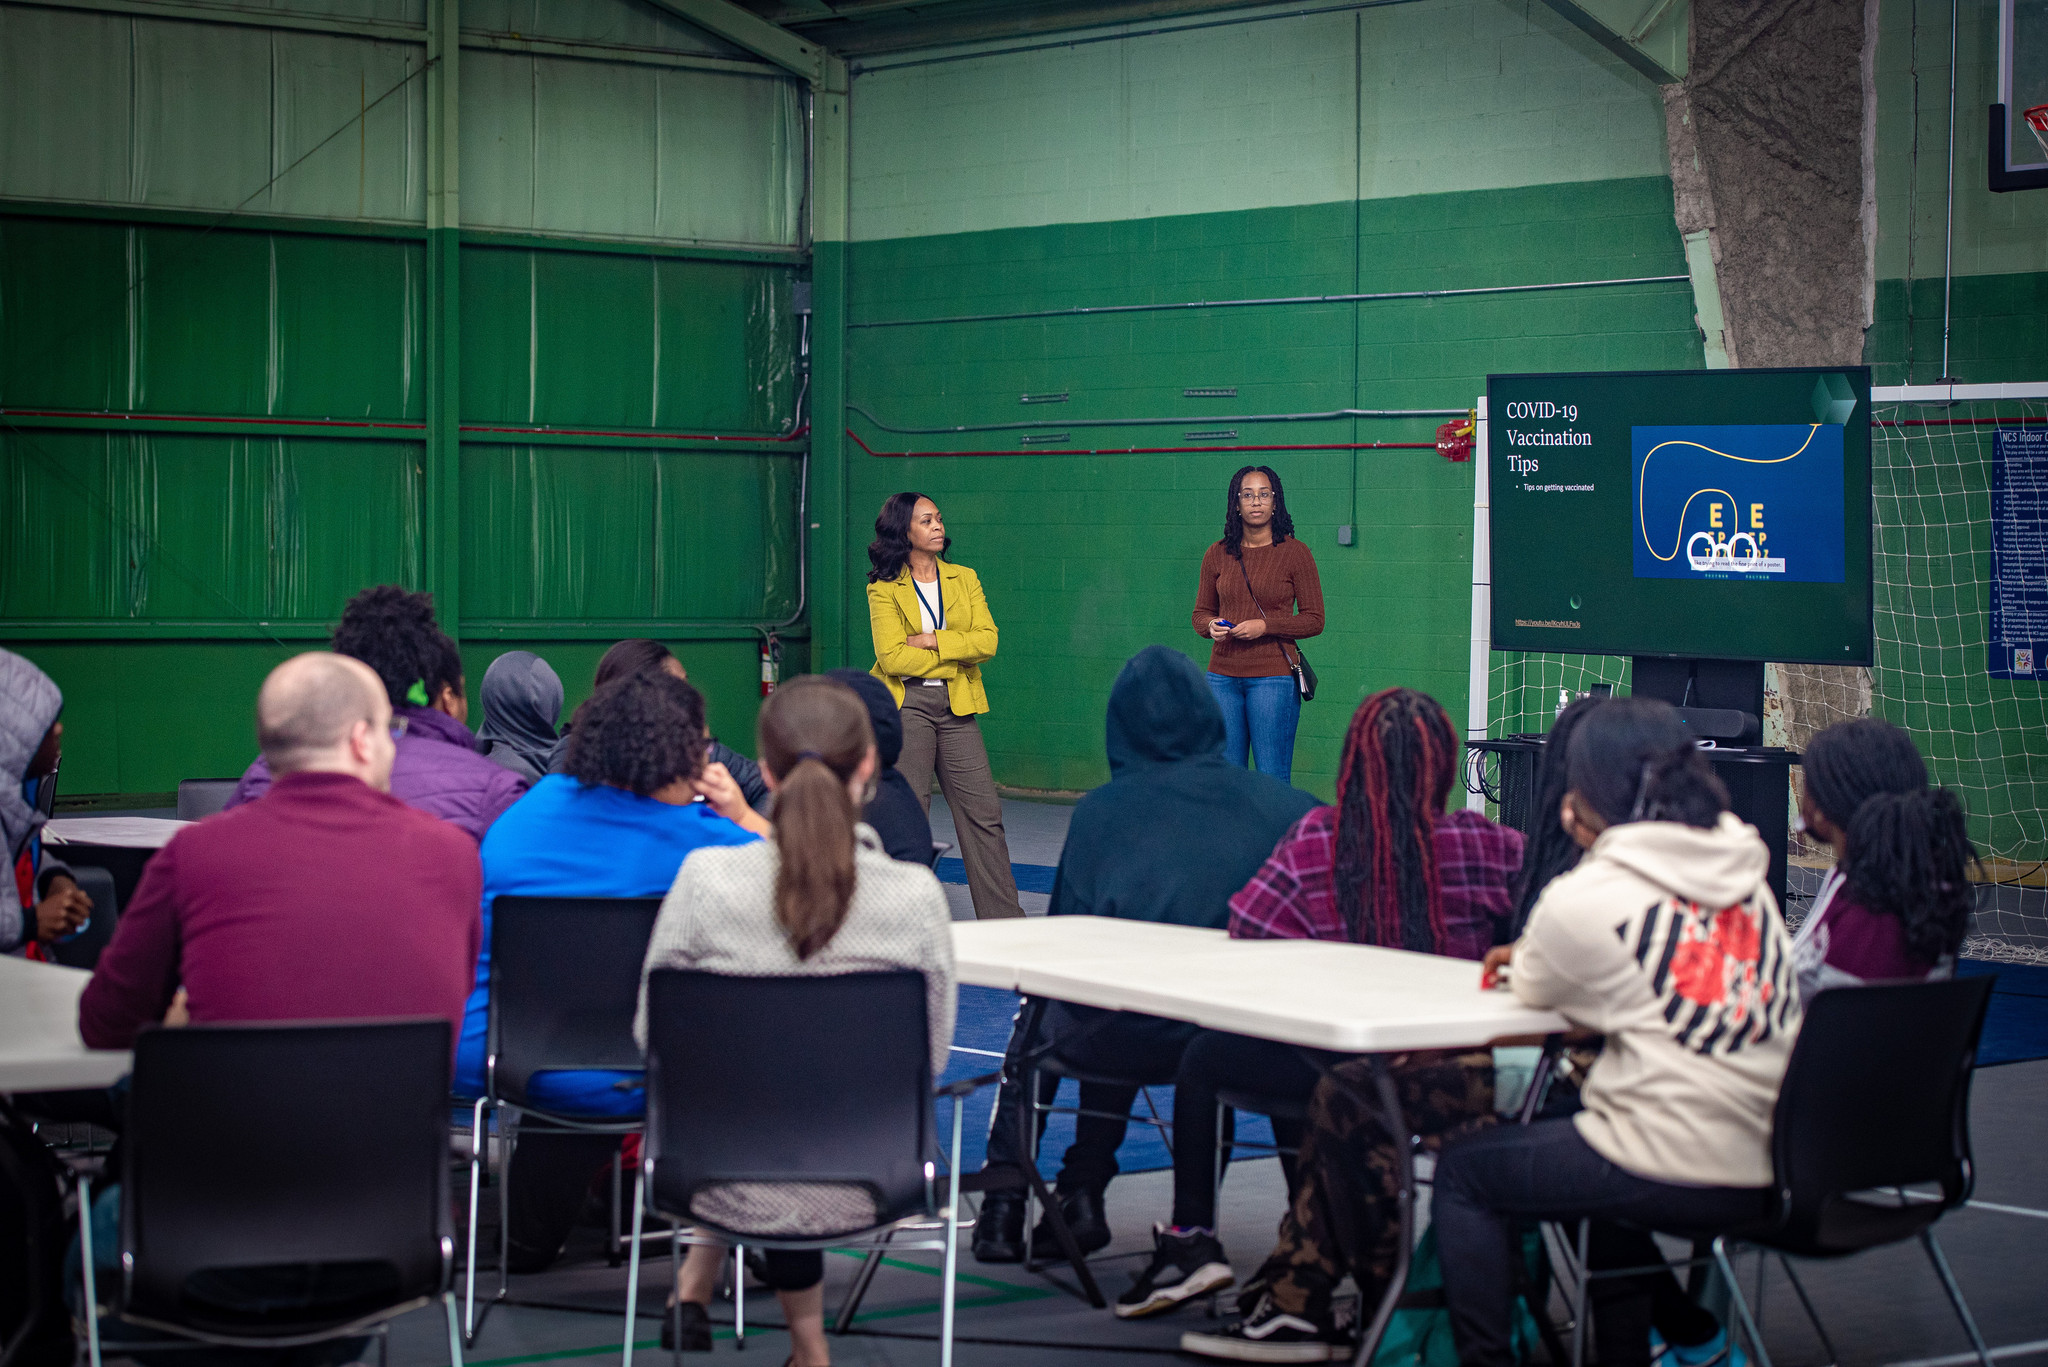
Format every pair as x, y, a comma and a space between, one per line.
889, 552
1632, 760
1550, 850
812, 735
1909, 853
1400, 757
1233, 519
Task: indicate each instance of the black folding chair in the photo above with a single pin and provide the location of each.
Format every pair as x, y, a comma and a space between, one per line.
565, 984
231, 1236
821, 1079
202, 797
1870, 1142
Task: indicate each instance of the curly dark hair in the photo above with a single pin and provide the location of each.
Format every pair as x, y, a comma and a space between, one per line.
640, 732
1233, 520
889, 552
394, 632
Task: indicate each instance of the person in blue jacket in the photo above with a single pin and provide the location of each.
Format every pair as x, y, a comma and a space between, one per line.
637, 797
1174, 833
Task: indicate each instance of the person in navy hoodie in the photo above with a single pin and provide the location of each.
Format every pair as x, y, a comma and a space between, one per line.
637, 797
439, 769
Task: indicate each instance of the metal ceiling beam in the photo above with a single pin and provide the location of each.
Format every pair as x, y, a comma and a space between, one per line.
1649, 35
902, 33
746, 29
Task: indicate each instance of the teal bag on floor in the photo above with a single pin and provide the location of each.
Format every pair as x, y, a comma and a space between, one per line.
1421, 1337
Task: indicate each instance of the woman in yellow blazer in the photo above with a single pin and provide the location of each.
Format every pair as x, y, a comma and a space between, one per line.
932, 631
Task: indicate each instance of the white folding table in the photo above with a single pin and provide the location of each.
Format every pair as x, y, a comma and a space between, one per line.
40, 1050
1320, 995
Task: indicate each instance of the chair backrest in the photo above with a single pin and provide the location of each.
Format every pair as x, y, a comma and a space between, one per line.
280, 1146
824, 1078
202, 797
565, 983
83, 949
1877, 1094
46, 794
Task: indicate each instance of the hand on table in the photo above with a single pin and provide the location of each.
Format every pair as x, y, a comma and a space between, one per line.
63, 911
721, 791
1490, 975
924, 640
1248, 631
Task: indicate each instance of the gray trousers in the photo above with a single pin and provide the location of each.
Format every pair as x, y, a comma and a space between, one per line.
935, 740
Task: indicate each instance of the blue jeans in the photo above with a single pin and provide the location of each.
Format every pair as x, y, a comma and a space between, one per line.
1259, 714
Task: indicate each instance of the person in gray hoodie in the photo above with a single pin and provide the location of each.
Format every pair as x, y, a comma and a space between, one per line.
1176, 830
1666, 940
39, 899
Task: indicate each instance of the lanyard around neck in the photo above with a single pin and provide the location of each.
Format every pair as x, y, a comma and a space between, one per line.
938, 614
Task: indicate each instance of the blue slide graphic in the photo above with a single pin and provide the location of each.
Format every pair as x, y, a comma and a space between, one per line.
1741, 501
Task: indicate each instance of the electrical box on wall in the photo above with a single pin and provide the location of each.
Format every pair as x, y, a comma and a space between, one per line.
1344, 536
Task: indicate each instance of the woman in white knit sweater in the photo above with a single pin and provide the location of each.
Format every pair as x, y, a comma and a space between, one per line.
819, 897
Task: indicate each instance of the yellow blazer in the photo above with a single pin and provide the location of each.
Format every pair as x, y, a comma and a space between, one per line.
969, 637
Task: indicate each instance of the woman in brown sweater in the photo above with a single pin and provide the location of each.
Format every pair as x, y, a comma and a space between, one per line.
1258, 591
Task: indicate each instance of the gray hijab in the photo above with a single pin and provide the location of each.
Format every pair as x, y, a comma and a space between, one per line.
29, 703
522, 698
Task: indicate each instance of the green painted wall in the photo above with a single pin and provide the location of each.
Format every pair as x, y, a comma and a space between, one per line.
1088, 559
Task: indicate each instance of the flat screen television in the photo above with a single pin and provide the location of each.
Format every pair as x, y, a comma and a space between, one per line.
1705, 514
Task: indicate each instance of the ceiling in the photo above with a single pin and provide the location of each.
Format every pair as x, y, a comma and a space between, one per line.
858, 28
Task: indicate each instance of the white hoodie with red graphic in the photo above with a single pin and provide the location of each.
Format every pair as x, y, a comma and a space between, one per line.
1667, 940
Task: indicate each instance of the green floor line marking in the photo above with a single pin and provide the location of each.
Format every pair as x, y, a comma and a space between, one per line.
964, 1278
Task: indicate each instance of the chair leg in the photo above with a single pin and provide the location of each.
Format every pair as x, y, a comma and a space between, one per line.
448, 1312
507, 1144
1955, 1295
1580, 1296
611, 1249
1813, 1317
477, 1143
739, 1298
1758, 1354
91, 1287
633, 1269
859, 1291
952, 1243
674, 1313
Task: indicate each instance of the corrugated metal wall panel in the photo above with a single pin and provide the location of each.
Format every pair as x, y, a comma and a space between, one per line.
119, 110
557, 145
596, 533
122, 526
181, 320
578, 339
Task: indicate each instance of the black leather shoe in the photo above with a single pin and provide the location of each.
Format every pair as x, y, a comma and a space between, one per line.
1085, 1221
695, 1322
999, 1229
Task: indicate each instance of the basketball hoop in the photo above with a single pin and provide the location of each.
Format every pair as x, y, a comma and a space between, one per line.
2037, 121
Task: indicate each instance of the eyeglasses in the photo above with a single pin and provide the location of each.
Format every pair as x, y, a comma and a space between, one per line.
398, 725
1254, 495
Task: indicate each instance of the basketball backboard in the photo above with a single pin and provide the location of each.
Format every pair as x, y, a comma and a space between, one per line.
2019, 121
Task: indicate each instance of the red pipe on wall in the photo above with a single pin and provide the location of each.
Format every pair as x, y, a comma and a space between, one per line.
1161, 450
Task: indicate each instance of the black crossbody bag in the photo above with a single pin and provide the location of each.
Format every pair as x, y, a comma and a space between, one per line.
1304, 673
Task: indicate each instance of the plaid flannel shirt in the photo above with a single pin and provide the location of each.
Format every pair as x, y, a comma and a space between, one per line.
1292, 896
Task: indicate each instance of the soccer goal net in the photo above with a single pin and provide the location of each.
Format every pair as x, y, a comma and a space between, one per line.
1985, 737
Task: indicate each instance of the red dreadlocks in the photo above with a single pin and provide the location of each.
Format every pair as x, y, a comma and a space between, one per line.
1400, 757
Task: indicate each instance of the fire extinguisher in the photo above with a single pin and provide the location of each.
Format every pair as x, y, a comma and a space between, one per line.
771, 663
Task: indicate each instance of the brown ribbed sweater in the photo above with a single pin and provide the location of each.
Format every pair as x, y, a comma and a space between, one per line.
1289, 591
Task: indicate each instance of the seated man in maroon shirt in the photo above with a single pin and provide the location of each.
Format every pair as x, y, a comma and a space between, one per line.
329, 898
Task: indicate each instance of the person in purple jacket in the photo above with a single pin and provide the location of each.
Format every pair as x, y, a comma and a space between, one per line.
1896, 905
438, 769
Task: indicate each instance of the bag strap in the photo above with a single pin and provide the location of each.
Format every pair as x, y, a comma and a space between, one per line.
1262, 608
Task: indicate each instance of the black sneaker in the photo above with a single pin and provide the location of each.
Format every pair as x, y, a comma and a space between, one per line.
1183, 1266
695, 1323
1270, 1334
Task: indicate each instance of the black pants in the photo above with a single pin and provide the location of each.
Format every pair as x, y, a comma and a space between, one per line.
1545, 1171
1214, 1061
1122, 1043
793, 1271
551, 1175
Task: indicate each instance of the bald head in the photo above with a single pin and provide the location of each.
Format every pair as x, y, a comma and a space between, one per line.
325, 712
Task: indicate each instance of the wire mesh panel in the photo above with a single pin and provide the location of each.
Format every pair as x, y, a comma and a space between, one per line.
1984, 737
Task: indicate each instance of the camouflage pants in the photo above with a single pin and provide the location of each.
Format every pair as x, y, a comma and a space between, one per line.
1345, 1216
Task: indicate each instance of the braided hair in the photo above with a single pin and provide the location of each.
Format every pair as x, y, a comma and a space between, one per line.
1550, 849
1233, 517
1909, 853
1400, 758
